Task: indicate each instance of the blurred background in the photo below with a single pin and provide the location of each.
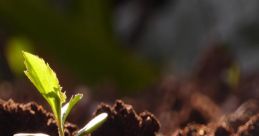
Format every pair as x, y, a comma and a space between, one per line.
116, 48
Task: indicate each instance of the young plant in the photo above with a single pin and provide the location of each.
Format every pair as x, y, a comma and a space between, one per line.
46, 81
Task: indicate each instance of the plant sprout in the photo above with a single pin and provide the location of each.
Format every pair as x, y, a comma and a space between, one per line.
46, 82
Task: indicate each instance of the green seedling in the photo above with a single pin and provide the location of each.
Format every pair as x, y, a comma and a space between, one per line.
46, 82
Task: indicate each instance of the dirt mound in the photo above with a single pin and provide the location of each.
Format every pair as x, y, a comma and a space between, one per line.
30, 117
124, 121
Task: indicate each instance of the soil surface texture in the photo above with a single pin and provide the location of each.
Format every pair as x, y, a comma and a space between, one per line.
124, 121
32, 118
28, 118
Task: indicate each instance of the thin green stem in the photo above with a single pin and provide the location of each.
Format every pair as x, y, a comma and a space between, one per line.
60, 130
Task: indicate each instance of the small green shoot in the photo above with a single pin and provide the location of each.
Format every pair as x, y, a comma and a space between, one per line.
46, 81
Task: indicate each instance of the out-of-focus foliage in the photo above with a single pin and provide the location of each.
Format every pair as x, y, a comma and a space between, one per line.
233, 76
80, 36
14, 55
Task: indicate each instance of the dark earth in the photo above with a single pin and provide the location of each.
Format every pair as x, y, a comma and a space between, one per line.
31, 117
216, 99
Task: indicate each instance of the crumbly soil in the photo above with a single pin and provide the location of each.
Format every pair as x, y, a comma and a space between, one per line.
248, 128
28, 118
31, 117
124, 121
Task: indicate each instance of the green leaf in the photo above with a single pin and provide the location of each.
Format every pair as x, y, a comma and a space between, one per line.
42, 76
93, 124
68, 107
46, 81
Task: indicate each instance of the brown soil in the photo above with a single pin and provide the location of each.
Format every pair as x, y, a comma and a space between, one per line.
27, 118
31, 117
249, 128
124, 121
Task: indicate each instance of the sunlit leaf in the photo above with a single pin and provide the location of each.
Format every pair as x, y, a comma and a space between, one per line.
68, 106
93, 124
